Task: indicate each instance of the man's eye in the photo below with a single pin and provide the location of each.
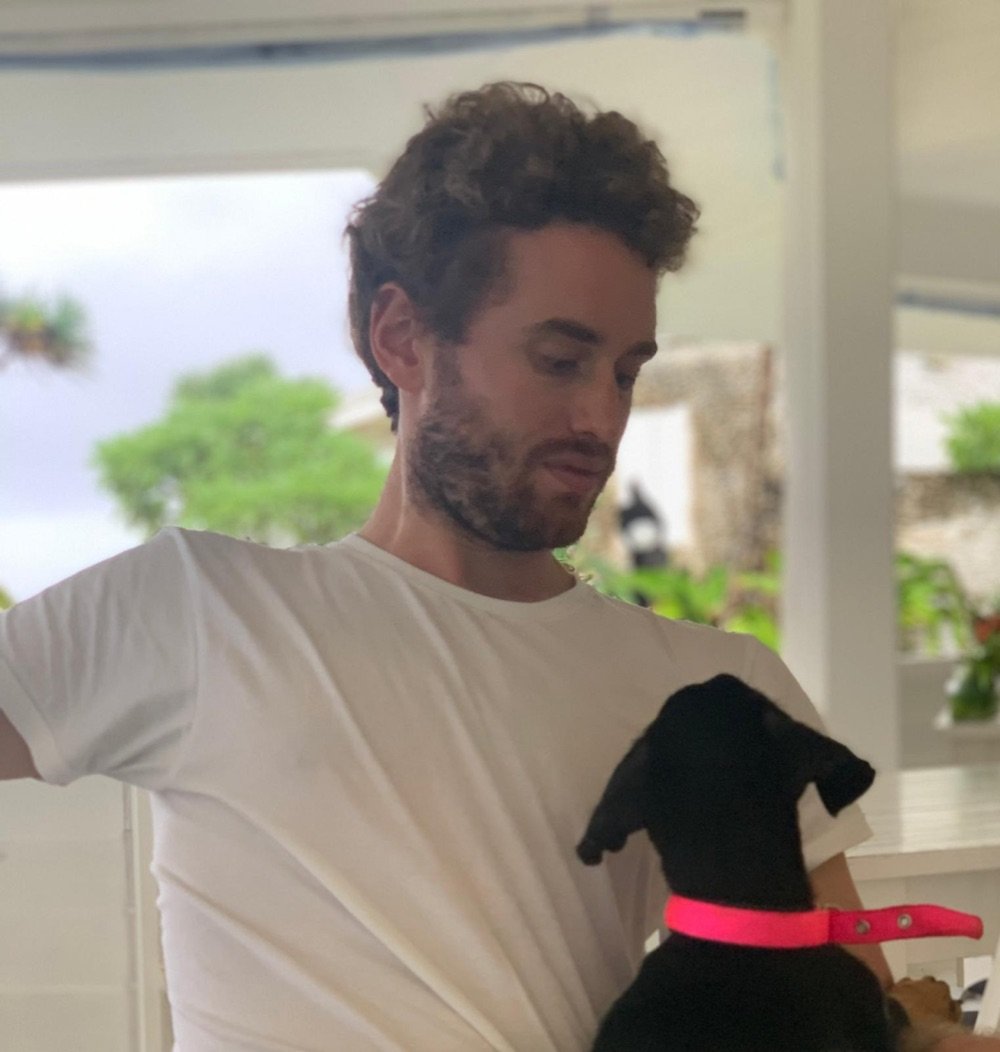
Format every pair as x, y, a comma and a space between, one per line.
561, 366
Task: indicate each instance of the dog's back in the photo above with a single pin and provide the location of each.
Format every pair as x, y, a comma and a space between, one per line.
695, 996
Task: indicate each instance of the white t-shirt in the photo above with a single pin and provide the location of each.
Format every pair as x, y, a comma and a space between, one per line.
368, 785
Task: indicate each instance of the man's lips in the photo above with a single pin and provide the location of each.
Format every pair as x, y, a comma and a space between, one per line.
574, 477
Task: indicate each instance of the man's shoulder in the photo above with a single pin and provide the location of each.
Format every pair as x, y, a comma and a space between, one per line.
693, 632
699, 650
223, 562
213, 544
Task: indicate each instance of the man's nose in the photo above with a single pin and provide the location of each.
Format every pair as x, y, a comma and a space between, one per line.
600, 408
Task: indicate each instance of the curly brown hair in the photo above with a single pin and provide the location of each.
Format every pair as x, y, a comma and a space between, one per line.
507, 157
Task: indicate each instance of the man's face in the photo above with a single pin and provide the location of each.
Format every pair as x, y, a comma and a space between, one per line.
520, 424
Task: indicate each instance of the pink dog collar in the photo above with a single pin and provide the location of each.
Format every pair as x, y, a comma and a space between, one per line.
772, 929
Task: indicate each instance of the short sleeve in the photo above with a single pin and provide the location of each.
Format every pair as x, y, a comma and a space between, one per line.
98, 673
823, 836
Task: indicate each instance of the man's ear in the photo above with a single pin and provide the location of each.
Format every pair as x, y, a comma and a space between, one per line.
397, 336
808, 756
619, 813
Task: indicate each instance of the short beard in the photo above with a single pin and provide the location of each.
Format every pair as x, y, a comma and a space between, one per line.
454, 471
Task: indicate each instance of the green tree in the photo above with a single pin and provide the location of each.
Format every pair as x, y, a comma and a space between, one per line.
54, 334
246, 452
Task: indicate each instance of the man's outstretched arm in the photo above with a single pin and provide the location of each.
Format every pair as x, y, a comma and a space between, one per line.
833, 885
15, 757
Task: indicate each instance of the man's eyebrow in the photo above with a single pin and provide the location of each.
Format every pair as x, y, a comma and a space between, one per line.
575, 330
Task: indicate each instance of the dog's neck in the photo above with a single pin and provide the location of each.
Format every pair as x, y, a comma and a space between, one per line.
751, 863
774, 891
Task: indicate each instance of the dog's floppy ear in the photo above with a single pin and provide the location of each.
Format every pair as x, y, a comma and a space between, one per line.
619, 813
840, 776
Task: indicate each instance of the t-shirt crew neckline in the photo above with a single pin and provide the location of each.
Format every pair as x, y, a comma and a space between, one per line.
542, 610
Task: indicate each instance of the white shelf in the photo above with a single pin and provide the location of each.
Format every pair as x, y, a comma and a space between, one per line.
967, 730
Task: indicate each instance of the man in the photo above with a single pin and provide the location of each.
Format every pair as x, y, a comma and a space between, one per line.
371, 761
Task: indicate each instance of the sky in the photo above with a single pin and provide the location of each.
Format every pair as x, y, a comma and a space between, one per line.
176, 275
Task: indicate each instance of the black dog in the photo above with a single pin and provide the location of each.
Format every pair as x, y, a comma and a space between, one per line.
715, 781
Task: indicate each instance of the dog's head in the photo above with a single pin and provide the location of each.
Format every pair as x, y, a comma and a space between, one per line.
720, 764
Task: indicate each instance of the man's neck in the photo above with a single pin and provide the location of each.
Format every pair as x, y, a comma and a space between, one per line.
423, 540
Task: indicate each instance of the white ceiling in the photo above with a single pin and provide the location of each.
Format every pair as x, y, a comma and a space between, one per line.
948, 106
948, 74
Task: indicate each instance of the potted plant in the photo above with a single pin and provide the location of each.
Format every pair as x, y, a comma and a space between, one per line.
974, 689
986, 625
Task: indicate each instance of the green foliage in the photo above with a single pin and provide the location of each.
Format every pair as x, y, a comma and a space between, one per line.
31, 329
932, 606
756, 621
737, 602
934, 612
246, 452
974, 690
973, 440
227, 381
